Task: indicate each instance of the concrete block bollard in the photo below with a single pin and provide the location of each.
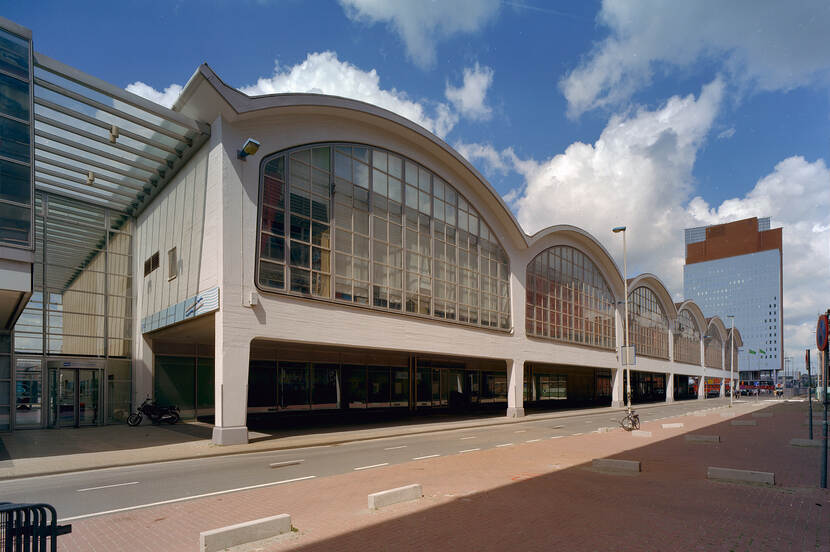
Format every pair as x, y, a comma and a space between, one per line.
244, 533
382, 499
611, 464
741, 476
692, 438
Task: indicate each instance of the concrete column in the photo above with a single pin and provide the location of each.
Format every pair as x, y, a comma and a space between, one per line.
617, 388
142, 371
515, 388
670, 387
701, 389
231, 373
722, 387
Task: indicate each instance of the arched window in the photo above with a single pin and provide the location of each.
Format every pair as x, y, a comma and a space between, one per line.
687, 339
648, 325
712, 348
568, 299
362, 225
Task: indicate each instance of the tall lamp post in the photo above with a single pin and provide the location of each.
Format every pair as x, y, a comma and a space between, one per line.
616, 230
731, 359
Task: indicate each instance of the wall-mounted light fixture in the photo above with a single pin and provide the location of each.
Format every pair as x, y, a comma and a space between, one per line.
250, 147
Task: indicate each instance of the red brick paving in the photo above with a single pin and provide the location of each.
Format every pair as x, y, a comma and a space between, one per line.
536, 496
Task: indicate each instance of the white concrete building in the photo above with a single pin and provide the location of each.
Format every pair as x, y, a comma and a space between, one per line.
354, 261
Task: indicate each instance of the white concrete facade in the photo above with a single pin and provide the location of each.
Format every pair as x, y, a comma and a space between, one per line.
209, 212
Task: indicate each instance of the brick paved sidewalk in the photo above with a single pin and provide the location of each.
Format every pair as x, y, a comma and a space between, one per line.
533, 496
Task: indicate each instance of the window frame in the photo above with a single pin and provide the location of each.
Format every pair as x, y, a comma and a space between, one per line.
500, 317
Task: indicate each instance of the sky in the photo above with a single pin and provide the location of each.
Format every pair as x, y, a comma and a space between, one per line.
650, 114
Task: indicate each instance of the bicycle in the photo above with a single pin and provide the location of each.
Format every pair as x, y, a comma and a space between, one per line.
630, 421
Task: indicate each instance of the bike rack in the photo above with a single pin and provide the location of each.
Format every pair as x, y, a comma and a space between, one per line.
30, 527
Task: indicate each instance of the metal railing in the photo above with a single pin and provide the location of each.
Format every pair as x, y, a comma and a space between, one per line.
29, 527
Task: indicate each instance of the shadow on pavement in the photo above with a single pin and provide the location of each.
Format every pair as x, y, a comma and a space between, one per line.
669, 506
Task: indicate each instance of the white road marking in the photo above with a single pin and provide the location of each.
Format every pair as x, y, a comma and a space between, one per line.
575, 434
468, 450
285, 463
372, 466
471, 437
557, 437
533, 441
520, 431
425, 457
395, 448
505, 445
182, 499
107, 486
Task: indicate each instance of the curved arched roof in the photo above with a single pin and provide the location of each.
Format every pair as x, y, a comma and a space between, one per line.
654, 283
236, 103
695, 311
546, 238
717, 323
739, 341
220, 99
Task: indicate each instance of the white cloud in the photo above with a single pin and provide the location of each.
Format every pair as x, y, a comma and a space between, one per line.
795, 195
764, 44
469, 98
422, 24
639, 174
323, 73
492, 161
166, 98
726, 134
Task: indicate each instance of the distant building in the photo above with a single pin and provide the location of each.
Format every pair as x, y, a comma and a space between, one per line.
736, 269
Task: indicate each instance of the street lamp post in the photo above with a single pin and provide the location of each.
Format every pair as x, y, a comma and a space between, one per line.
731, 359
624, 357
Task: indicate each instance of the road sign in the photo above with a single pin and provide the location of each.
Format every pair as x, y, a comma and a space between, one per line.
821, 333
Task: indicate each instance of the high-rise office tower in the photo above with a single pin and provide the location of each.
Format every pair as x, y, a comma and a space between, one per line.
736, 269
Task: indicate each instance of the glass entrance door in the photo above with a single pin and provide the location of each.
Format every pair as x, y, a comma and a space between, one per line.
88, 397
66, 398
74, 394
28, 393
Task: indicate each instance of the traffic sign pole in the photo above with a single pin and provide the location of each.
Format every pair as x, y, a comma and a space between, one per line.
809, 391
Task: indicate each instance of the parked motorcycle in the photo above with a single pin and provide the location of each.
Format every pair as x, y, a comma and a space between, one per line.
156, 413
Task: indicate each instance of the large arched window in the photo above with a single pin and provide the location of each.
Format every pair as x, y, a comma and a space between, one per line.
568, 299
712, 349
648, 325
686, 339
365, 226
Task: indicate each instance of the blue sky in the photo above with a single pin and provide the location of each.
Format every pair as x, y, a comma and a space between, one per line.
651, 114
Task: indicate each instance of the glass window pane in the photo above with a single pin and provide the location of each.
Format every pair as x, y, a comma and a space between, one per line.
300, 281
15, 224
14, 97
320, 158
14, 54
14, 140
271, 275
272, 248
15, 182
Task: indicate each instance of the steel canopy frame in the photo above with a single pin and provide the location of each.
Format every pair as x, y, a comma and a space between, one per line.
96, 142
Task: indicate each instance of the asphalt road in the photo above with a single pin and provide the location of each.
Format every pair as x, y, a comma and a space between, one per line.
88, 493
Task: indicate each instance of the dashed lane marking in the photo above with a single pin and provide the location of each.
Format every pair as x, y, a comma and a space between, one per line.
533, 441
372, 466
468, 450
395, 448
107, 486
428, 456
182, 499
504, 445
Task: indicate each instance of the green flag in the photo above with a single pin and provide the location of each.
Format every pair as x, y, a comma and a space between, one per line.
751, 352
763, 352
